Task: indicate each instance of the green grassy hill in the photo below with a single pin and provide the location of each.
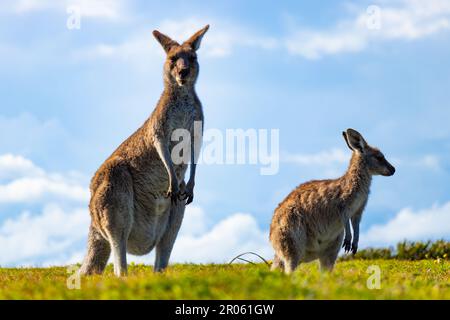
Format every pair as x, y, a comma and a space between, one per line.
426, 279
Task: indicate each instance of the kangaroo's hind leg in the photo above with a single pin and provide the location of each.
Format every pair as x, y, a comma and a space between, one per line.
291, 249
118, 243
328, 257
165, 244
98, 253
113, 205
277, 264
292, 258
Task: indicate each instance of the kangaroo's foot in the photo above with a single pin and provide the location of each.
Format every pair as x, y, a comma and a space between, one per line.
98, 253
277, 264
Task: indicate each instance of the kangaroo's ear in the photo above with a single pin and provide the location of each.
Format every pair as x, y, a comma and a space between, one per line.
164, 40
344, 134
355, 140
196, 39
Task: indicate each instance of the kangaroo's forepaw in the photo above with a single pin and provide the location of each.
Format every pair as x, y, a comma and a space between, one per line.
189, 197
173, 195
186, 196
347, 245
354, 248
189, 193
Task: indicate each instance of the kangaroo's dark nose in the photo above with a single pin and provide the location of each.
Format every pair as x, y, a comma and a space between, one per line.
391, 170
184, 72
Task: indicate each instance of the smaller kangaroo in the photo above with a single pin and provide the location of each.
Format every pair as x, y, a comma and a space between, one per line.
310, 223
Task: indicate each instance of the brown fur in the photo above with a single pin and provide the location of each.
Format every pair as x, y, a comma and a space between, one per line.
138, 195
309, 223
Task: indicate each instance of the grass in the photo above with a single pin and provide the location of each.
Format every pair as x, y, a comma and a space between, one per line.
426, 279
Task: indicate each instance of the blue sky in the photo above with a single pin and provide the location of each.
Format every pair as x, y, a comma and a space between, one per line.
309, 69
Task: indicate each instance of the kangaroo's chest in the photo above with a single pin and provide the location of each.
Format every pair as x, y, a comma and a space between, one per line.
182, 115
357, 203
331, 227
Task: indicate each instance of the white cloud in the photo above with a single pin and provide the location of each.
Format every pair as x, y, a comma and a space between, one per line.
201, 242
195, 222
27, 190
432, 223
109, 9
322, 165
220, 41
404, 19
139, 50
54, 234
400, 20
58, 234
229, 237
12, 166
426, 161
430, 161
222, 37
323, 158
58, 237
62, 258
21, 181
29, 238
335, 159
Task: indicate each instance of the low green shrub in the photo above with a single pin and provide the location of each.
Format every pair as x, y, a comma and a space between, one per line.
406, 250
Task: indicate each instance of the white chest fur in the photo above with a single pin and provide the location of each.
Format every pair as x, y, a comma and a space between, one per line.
354, 206
182, 114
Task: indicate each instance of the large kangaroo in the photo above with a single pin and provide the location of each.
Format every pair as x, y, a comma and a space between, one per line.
309, 224
138, 195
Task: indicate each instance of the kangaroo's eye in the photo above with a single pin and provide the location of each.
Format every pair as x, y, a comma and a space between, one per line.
379, 157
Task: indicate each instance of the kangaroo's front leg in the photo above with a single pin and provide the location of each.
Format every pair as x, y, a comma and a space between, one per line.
163, 151
348, 237
196, 142
189, 194
355, 224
